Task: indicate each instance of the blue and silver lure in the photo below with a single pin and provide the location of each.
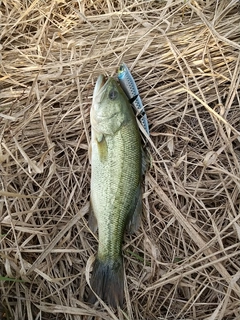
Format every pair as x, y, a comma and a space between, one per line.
130, 88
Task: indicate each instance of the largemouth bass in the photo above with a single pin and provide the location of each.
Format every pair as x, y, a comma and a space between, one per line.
116, 202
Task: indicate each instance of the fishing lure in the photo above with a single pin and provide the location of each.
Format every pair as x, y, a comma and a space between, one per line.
130, 88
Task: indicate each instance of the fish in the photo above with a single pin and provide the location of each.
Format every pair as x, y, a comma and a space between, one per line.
116, 176
129, 86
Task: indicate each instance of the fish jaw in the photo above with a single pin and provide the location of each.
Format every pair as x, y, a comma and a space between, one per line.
108, 111
99, 88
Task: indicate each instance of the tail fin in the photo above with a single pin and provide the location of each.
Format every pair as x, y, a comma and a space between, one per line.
107, 282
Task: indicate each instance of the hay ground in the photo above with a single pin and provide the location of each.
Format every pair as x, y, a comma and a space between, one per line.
183, 262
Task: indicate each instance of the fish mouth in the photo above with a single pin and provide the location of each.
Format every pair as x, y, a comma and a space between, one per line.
99, 86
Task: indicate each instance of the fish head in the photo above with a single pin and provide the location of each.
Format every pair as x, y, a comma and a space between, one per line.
109, 106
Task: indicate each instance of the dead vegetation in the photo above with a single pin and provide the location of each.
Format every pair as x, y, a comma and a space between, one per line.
183, 263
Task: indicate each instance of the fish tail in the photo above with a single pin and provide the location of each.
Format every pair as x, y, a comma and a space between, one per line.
107, 281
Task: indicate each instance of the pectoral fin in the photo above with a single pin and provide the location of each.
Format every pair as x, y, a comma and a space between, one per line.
102, 147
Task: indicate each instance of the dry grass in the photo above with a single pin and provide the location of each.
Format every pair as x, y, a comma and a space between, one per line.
183, 263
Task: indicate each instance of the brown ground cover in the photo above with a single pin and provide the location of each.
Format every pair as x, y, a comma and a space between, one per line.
183, 262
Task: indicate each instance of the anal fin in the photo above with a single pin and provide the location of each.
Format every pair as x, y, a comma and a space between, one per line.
134, 220
92, 220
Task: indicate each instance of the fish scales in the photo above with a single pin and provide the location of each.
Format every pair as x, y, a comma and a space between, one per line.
116, 160
114, 196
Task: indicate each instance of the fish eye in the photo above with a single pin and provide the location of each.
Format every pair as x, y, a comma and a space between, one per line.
113, 94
